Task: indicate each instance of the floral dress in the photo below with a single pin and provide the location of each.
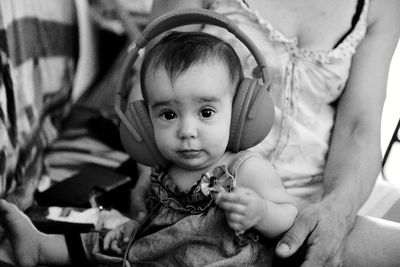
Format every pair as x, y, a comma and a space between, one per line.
188, 229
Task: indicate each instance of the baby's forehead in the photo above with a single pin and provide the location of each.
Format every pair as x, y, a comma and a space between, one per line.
198, 68
211, 78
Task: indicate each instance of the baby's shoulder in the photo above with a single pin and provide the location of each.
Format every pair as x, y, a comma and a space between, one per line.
246, 161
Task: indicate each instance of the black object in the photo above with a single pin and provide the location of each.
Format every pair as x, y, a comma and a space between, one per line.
75, 249
395, 138
6, 264
38, 216
93, 183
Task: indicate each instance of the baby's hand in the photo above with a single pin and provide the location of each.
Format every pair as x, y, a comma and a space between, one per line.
243, 208
117, 239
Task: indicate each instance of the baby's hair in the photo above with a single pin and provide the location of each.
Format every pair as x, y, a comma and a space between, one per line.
176, 52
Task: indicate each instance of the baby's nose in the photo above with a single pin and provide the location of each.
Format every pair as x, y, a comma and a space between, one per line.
188, 129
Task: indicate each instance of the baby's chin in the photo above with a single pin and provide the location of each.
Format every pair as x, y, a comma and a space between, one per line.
194, 164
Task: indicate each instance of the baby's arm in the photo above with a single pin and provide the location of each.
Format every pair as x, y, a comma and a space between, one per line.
29, 246
260, 200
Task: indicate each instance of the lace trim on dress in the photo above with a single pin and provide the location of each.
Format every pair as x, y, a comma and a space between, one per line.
345, 49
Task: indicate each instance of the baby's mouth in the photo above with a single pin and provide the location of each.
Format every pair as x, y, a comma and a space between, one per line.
190, 153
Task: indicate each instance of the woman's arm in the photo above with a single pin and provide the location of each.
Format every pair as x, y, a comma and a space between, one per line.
354, 159
355, 156
29, 246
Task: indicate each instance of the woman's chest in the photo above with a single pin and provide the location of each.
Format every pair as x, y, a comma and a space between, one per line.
317, 24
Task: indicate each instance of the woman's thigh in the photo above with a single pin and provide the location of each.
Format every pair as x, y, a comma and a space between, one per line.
373, 242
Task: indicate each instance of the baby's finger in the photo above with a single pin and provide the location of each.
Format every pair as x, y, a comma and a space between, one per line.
115, 247
234, 217
110, 236
106, 241
130, 230
237, 227
232, 207
234, 197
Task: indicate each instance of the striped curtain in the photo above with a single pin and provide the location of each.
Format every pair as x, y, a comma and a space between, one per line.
38, 55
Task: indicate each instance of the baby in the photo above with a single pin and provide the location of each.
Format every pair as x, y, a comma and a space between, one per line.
209, 206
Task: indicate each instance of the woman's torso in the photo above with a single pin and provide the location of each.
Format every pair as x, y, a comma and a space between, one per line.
316, 25
309, 65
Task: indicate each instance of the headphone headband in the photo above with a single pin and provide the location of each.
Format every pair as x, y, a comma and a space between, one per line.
197, 16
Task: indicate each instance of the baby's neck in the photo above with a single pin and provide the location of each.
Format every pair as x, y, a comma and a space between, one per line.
185, 178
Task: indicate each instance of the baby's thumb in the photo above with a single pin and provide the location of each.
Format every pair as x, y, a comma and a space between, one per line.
138, 210
140, 215
130, 231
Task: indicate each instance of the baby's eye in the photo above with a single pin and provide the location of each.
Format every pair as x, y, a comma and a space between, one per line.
168, 115
207, 112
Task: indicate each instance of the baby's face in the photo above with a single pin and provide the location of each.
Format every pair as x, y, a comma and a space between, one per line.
191, 116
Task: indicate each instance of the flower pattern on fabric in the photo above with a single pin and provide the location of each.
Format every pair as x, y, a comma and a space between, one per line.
218, 180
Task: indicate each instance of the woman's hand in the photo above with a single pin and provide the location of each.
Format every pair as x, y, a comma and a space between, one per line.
324, 227
243, 208
23, 237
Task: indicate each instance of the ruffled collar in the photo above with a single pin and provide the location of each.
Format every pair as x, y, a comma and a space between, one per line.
200, 196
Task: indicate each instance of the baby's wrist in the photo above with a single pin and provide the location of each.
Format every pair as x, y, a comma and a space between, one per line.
263, 214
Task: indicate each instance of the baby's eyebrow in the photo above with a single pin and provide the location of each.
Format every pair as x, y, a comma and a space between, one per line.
209, 99
162, 103
202, 99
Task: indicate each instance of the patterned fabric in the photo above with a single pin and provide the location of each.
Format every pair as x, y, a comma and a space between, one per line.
38, 51
304, 86
218, 180
188, 229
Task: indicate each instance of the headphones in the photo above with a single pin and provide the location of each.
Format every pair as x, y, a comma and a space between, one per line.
252, 109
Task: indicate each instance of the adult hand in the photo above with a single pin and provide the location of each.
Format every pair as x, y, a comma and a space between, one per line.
324, 226
22, 237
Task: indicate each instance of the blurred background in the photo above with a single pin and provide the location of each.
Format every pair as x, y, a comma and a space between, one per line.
390, 119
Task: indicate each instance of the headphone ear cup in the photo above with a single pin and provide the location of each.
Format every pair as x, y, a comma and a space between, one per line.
252, 115
141, 148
